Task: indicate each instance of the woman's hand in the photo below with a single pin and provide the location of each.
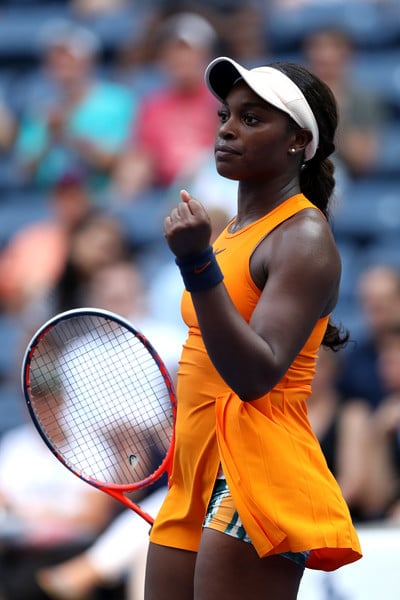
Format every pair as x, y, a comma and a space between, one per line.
187, 229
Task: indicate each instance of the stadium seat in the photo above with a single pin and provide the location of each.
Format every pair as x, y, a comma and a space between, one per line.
370, 210
351, 266
12, 407
379, 70
117, 27
347, 315
19, 208
388, 159
9, 336
369, 24
20, 25
383, 251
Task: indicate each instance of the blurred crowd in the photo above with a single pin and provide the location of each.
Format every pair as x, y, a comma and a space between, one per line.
104, 117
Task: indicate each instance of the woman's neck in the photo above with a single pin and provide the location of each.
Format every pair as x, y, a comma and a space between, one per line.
257, 201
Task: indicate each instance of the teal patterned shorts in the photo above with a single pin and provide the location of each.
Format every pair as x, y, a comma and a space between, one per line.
223, 516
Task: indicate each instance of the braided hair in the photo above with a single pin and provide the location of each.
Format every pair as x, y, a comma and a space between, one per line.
317, 181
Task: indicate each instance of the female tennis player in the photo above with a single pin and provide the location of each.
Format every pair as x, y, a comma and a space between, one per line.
251, 500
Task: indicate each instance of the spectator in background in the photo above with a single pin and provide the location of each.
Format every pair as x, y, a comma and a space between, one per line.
34, 258
83, 121
8, 127
117, 554
175, 125
121, 287
361, 388
328, 54
342, 429
98, 242
378, 290
85, 8
47, 513
240, 26
382, 499
121, 550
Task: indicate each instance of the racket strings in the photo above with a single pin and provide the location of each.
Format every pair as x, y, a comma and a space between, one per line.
102, 400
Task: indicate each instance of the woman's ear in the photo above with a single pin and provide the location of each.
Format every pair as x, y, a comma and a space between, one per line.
301, 139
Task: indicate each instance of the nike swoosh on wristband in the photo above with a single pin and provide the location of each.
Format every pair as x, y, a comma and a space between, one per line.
199, 270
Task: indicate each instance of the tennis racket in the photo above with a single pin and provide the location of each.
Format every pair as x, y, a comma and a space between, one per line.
102, 400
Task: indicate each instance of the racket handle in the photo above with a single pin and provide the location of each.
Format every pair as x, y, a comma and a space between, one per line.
128, 502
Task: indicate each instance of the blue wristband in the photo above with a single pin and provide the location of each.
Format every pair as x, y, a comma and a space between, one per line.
200, 271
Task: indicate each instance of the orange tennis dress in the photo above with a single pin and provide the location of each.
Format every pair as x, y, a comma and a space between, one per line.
286, 497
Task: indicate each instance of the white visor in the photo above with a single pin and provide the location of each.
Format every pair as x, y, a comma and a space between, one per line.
271, 85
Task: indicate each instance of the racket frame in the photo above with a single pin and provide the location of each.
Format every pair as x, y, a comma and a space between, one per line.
116, 491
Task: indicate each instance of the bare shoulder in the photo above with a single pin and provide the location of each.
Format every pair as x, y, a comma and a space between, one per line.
303, 245
310, 230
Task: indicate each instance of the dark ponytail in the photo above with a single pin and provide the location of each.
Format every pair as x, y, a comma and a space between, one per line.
317, 181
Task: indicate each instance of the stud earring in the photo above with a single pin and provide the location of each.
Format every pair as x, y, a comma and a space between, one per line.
292, 150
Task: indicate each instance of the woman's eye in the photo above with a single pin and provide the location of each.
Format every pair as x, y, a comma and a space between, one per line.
223, 115
250, 119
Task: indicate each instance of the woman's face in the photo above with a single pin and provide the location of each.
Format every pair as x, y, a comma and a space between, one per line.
253, 137
96, 245
184, 64
66, 66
